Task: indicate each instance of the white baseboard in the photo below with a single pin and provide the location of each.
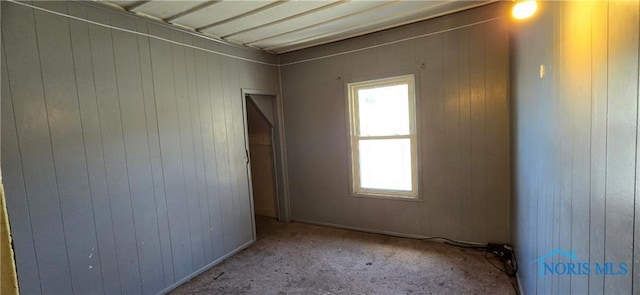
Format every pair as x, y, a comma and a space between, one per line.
205, 268
375, 231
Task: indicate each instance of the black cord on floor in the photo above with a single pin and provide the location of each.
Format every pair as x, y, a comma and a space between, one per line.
510, 272
456, 243
502, 252
515, 287
505, 269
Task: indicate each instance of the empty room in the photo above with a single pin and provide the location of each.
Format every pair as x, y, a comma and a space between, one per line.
320, 147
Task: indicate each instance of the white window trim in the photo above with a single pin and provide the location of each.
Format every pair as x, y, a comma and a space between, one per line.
353, 115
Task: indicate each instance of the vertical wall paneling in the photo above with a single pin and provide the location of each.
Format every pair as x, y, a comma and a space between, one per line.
34, 142
214, 227
547, 212
23, 240
464, 205
245, 214
576, 144
153, 140
186, 147
554, 94
599, 86
132, 106
433, 181
477, 123
114, 153
635, 269
228, 77
225, 226
201, 203
462, 72
564, 146
123, 154
621, 137
168, 127
451, 143
61, 99
578, 69
221, 110
82, 55
497, 131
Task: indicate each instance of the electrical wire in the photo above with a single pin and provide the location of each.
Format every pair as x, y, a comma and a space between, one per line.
505, 270
507, 256
455, 242
502, 269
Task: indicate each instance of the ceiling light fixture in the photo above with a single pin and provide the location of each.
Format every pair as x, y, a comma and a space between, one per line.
524, 9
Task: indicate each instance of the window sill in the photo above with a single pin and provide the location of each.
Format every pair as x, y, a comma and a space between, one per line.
386, 196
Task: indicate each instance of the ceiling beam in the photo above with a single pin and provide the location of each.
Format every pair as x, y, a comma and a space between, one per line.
191, 10
135, 5
279, 2
287, 18
327, 38
346, 30
325, 22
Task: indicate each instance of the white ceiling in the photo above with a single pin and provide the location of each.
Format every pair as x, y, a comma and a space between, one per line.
281, 26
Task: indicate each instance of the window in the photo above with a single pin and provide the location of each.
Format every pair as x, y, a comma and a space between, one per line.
383, 137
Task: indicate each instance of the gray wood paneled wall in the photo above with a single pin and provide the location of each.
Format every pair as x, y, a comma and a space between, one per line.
575, 144
462, 76
122, 155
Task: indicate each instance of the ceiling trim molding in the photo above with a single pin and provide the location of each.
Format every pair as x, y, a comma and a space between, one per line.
108, 26
390, 42
109, 6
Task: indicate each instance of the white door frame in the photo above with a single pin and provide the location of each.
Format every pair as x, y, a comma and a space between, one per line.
279, 150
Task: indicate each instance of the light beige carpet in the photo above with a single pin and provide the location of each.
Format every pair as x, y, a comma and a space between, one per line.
296, 258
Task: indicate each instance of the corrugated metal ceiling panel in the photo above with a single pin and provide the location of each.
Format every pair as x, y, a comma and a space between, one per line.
219, 12
355, 26
339, 25
284, 25
124, 3
307, 20
266, 16
166, 9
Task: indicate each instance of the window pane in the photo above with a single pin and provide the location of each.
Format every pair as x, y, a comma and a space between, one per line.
385, 164
384, 110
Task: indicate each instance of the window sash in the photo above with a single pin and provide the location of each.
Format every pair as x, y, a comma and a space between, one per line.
358, 189
356, 137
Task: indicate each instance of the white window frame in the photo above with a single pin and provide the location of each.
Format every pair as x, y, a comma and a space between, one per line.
355, 137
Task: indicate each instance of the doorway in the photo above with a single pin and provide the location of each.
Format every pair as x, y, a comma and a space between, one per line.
263, 181
266, 157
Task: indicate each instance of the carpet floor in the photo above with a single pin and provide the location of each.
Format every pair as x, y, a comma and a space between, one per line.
298, 258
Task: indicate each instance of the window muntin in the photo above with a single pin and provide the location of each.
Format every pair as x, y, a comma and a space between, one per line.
383, 137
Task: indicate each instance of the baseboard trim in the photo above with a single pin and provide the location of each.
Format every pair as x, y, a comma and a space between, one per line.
205, 268
374, 231
387, 233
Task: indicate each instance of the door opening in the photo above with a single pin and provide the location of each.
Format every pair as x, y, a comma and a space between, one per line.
261, 151
265, 141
